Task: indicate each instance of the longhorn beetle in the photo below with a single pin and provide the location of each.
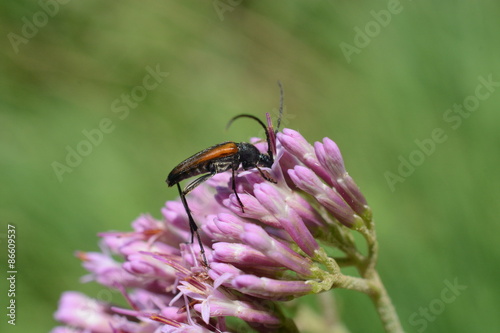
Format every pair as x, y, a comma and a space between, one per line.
222, 157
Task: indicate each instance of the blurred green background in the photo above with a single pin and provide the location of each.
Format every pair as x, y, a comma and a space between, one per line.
375, 93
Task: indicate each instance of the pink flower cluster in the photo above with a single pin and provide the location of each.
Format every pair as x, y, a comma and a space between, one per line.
256, 258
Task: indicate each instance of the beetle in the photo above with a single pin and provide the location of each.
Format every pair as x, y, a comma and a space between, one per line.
220, 158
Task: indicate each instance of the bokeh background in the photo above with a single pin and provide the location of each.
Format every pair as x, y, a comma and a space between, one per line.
374, 95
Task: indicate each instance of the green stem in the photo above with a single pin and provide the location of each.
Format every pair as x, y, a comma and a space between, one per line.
383, 304
378, 293
371, 240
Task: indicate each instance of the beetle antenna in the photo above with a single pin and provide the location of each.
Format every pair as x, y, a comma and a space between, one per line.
282, 97
269, 151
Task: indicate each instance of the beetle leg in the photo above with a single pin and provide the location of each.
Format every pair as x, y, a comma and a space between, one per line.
192, 225
236, 193
266, 176
191, 186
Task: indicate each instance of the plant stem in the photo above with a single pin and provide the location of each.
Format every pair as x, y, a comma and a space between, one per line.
383, 304
378, 293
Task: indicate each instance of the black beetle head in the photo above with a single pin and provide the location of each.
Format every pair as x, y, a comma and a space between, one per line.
266, 160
